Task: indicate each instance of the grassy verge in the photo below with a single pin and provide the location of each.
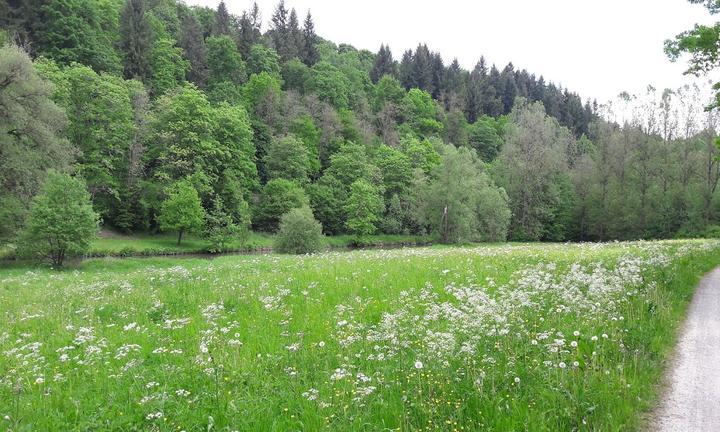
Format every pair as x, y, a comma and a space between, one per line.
118, 245
501, 337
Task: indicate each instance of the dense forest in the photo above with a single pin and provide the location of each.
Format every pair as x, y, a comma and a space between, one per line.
157, 105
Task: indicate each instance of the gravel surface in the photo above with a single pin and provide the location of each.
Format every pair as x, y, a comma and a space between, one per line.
692, 400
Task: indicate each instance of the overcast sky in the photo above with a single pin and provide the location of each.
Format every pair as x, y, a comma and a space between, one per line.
595, 48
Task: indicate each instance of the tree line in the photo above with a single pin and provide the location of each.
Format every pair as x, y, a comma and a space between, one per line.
193, 119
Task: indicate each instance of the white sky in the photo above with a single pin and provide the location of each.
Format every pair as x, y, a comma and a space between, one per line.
595, 48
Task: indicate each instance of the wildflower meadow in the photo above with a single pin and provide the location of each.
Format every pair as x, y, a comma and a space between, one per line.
542, 337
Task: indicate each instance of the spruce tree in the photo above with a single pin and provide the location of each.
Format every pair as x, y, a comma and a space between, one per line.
136, 40
193, 47
406, 70
294, 36
309, 54
384, 64
422, 69
222, 25
279, 30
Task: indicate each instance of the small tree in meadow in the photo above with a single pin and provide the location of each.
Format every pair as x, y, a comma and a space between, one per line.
364, 208
181, 211
299, 232
62, 220
221, 228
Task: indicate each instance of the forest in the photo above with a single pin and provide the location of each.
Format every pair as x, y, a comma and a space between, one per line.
188, 119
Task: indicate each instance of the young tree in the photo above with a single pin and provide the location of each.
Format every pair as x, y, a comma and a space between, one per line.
277, 198
62, 221
299, 232
364, 208
136, 40
221, 228
168, 65
224, 61
263, 59
181, 211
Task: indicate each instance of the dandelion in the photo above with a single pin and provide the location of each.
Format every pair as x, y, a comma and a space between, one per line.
39, 380
574, 344
517, 380
562, 365
418, 364
576, 333
594, 338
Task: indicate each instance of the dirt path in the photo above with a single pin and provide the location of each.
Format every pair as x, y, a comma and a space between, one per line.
692, 402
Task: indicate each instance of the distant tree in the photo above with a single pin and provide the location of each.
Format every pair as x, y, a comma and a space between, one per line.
277, 198
421, 72
280, 32
405, 70
221, 228
263, 59
168, 65
287, 158
327, 199
309, 52
330, 84
181, 211
421, 113
262, 96
294, 41
459, 202
249, 31
486, 137
388, 90
395, 170
350, 163
422, 154
222, 25
299, 232
304, 128
529, 167
193, 45
224, 62
136, 40
384, 64
79, 31
61, 221
33, 136
364, 208
295, 75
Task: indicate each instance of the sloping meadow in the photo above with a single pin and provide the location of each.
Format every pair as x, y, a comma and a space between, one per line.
502, 337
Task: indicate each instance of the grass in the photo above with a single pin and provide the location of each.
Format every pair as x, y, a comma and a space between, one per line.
115, 244
499, 337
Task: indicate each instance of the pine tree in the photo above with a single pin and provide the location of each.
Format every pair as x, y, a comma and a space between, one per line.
193, 47
310, 54
384, 64
437, 69
279, 33
222, 25
249, 30
422, 69
406, 69
475, 96
136, 40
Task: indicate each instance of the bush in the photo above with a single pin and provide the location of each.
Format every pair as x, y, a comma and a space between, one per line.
181, 211
62, 221
299, 232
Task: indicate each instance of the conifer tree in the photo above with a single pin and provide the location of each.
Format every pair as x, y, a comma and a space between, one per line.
309, 54
222, 25
193, 47
136, 40
384, 64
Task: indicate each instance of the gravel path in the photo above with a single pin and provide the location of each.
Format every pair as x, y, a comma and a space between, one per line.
692, 402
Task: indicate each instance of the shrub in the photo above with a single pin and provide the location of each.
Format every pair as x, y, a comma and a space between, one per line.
299, 232
62, 220
181, 211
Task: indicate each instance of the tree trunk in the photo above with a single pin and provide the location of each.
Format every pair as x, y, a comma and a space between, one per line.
180, 233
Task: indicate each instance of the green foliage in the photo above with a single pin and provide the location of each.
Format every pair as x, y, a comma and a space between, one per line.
136, 40
262, 96
61, 221
459, 202
422, 154
395, 170
81, 31
181, 210
299, 232
168, 66
287, 158
330, 85
222, 230
327, 199
421, 113
364, 208
32, 139
295, 75
486, 137
350, 163
263, 59
388, 91
224, 61
278, 197
304, 128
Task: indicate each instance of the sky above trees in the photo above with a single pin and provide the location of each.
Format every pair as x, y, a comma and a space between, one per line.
598, 49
